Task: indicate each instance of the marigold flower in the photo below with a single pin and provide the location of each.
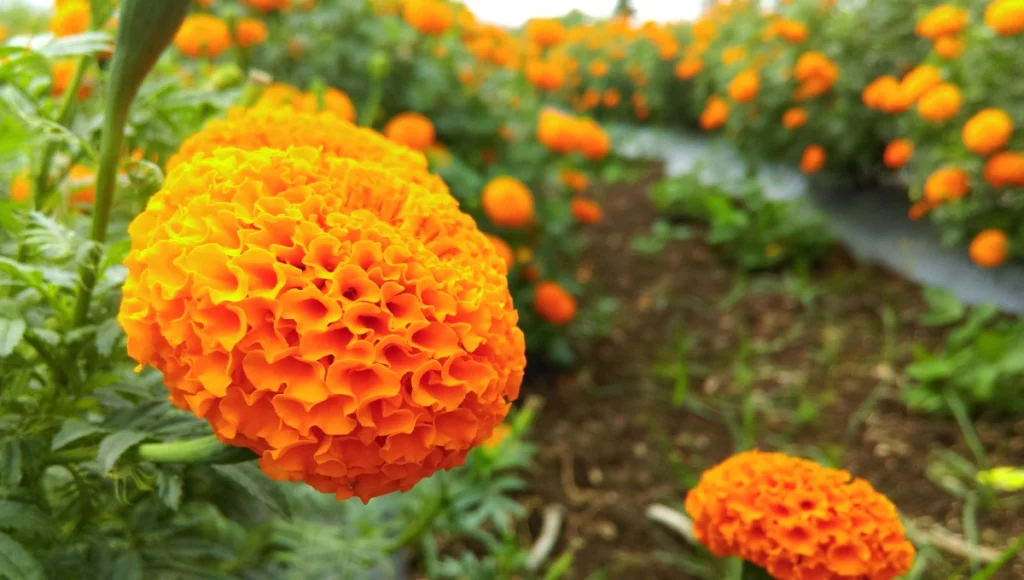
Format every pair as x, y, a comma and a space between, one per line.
744, 87
574, 180
790, 30
940, 103
794, 118
598, 68
733, 54
689, 68
989, 248
203, 35
585, 211
898, 152
1005, 169
593, 141
268, 5
63, 71
21, 188
431, 17
988, 131
813, 159
352, 328
919, 210
553, 303
250, 32
545, 75
1006, 17
507, 202
413, 130
611, 98
942, 21
797, 519
946, 184
920, 80
949, 47
874, 94
503, 250
545, 32
557, 131
70, 18
715, 114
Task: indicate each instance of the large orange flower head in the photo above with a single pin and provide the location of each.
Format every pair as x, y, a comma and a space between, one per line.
797, 519
545, 31
507, 202
70, 18
988, 131
203, 35
1006, 17
352, 328
413, 130
942, 21
432, 17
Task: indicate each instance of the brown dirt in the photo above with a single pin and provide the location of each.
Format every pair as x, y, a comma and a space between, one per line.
611, 443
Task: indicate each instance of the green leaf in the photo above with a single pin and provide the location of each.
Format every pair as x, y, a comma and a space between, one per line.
127, 566
249, 477
946, 308
1005, 558
17, 563
72, 431
11, 333
78, 44
169, 488
107, 335
114, 446
10, 464
25, 519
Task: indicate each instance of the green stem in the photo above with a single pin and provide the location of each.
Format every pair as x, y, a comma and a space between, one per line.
67, 108
205, 450
372, 105
422, 524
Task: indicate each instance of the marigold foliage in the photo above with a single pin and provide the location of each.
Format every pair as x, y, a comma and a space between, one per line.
797, 519
351, 327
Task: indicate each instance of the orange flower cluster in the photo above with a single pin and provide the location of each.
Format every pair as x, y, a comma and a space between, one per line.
431, 17
797, 519
507, 202
553, 303
564, 133
816, 74
70, 18
203, 36
350, 326
545, 75
280, 95
545, 32
413, 130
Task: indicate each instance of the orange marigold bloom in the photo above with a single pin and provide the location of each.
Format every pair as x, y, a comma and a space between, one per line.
268, 5
947, 184
545, 31
898, 152
942, 21
574, 180
353, 329
611, 98
431, 17
594, 143
413, 130
797, 519
553, 303
940, 103
70, 18
715, 114
63, 71
590, 99
989, 248
919, 210
988, 131
1005, 169
689, 68
919, 81
545, 75
794, 118
949, 47
879, 92
586, 211
203, 35
744, 86
1006, 17
816, 73
503, 250
813, 159
733, 54
598, 68
790, 30
507, 202
21, 188
557, 131
250, 32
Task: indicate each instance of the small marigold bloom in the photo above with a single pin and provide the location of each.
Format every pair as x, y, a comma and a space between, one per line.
545, 32
794, 118
203, 35
813, 159
689, 68
611, 98
82, 185
598, 68
553, 303
797, 519
919, 210
70, 18
1006, 17
744, 86
250, 32
949, 47
557, 131
874, 94
715, 114
591, 98
919, 81
503, 250
942, 21
816, 73
507, 202
431, 17
946, 184
1005, 169
989, 248
733, 54
594, 142
898, 152
21, 189
352, 328
586, 211
63, 71
988, 131
790, 30
413, 130
545, 75
268, 5
574, 180
940, 103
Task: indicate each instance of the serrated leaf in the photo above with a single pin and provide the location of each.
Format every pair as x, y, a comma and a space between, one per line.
72, 431
256, 483
26, 519
11, 333
17, 563
114, 446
